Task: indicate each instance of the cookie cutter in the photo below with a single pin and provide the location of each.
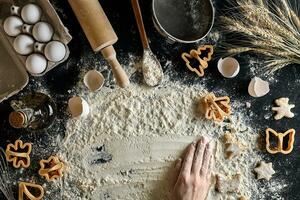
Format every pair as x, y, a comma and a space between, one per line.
280, 136
52, 168
195, 54
18, 154
24, 192
215, 108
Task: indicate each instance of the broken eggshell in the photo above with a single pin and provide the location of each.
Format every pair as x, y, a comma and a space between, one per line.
258, 87
93, 80
78, 107
229, 67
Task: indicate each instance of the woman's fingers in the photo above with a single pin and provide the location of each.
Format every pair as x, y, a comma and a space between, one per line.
198, 157
188, 161
206, 159
176, 172
210, 166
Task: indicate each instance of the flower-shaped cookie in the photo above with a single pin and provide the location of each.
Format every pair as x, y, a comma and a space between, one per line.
19, 154
215, 108
30, 191
280, 148
195, 54
52, 168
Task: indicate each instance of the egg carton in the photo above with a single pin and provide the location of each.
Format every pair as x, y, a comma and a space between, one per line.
13, 75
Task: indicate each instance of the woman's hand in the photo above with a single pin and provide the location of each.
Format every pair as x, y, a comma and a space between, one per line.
192, 176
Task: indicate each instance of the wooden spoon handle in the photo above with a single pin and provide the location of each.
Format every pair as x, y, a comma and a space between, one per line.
140, 24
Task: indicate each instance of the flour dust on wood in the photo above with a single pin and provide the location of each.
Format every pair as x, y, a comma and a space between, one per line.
127, 146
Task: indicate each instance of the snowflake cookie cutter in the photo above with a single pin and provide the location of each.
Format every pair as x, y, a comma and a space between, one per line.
215, 108
52, 168
19, 154
195, 54
280, 146
30, 191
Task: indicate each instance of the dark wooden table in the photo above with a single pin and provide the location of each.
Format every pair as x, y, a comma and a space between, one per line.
62, 79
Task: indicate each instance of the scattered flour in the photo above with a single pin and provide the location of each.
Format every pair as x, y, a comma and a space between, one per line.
126, 147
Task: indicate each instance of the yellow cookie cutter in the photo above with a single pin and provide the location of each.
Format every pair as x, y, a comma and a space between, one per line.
52, 168
215, 108
18, 154
280, 136
195, 54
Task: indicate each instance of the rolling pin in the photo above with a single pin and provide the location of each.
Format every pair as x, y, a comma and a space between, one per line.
100, 34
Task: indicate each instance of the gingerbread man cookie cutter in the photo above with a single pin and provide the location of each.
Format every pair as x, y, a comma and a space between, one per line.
195, 54
215, 108
280, 137
25, 193
52, 168
19, 154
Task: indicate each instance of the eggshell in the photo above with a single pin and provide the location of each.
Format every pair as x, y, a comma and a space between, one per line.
23, 44
55, 51
31, 13
258, 87
13, 26
78, 107
229, 67
93, 80
36, 63
42, 32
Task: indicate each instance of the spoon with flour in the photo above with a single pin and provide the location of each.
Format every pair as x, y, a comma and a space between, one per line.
151, 67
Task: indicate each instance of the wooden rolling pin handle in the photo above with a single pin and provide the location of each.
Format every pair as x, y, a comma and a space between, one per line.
120, 75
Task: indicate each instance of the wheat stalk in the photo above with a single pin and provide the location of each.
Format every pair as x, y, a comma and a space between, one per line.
5, 187
268, 28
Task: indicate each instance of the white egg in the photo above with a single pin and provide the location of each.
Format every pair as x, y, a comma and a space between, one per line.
36, 63
23, 44
13, 26
55, 51
31, 13
42, 32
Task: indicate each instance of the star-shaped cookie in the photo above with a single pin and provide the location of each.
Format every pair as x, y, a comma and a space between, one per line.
52, 168
264, 170
283, 109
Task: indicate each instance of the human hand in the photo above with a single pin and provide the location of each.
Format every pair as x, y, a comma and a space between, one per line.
192, 175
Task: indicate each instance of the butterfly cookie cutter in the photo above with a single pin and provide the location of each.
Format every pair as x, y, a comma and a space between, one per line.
52, 168
26, 191
280, 146
18, 154
195, 54
215, 108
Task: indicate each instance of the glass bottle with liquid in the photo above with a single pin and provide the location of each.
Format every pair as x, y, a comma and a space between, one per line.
34, 111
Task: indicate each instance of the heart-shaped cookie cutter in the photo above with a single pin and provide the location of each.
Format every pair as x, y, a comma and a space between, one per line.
280, 136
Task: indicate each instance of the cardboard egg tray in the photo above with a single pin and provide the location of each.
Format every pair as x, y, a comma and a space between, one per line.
13, 75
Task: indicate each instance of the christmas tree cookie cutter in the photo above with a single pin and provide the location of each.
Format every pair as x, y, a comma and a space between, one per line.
19, 154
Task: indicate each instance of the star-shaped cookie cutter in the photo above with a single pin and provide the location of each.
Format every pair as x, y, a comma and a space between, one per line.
215, 108
19, 154
195, 54
25, 193
280, 146
52, 168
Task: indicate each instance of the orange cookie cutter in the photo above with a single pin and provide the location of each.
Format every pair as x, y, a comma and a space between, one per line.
215, 108
52, 168
18, 154
24, 191
280, 136
195, 54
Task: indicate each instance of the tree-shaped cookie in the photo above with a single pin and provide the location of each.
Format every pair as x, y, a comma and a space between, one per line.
19, 154
52, 168
289, 135
203, 61
283, 108
215, 108
30, 191
264, 171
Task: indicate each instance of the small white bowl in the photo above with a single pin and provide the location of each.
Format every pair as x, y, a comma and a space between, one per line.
78, 107
93, 80
229, 67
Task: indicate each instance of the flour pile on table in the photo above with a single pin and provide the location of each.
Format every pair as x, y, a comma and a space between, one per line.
126, 147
